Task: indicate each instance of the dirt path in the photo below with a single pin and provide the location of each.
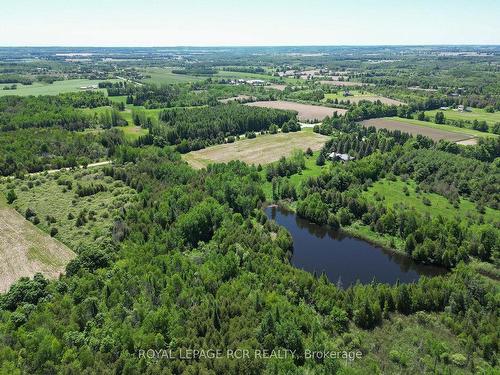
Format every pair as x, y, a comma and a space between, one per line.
98, 164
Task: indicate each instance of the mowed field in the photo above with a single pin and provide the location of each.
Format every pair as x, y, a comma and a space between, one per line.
475, 114
356, 97
433, 131
261, 150
26, 250
165, 76
306, 112
55, 88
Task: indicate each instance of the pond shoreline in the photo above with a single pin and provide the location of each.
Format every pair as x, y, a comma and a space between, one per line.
324, 243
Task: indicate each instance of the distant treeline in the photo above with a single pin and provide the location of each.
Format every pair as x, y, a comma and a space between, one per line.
48, 111
244, 69
15, 78
35, 150
202, 71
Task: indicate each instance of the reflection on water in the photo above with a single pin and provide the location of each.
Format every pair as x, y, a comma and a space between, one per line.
345, 259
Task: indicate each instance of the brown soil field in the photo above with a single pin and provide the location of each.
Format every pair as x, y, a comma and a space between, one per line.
306, 112
435, 134
277, 87
26, 250
261, 150
341, 83
239, 97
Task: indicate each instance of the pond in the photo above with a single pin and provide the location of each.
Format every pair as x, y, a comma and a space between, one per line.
344, 259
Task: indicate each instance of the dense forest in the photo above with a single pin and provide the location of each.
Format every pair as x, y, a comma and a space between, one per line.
47, 111
36, 150
201, 265
171, 257
192, 129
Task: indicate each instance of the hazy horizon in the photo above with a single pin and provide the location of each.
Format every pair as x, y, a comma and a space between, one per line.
154, 23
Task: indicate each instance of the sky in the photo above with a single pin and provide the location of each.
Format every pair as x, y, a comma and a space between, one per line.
247, 22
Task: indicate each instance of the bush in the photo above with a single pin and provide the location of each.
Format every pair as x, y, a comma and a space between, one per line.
11, 196
53, 231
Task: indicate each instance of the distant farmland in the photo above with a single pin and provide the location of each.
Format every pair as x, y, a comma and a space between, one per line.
26, 250
58, 87
261, 150
420, 127
306, 112
342, 83
474, 114
357, 96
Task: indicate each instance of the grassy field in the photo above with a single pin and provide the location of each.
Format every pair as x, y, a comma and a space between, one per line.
356, 96
131, 131
393, 194
311, 170
429, 129
55, 88
26, 250
261, 150
475, 114
404, 345
47, 196
165, 76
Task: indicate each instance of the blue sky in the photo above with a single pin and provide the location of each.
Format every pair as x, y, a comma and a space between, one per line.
247, 22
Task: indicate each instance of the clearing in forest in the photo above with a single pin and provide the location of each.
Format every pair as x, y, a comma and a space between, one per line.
26, 250
415, 127
261, 150
306, 112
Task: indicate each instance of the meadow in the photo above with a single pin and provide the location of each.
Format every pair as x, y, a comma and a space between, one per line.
54, 196
478, 114
404, 192
263, 149
58, 87
161, 76
357, 95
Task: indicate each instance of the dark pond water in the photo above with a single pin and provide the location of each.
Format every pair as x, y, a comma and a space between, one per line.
345, 259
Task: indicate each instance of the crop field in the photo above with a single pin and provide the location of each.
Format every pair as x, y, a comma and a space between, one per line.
306, 112
475, 114
58, 87
433, 131
26, 250
357, 96
261, 150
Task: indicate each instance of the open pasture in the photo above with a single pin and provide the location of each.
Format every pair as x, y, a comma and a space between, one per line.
357, 95
58, 87
475, 114
306, 112
261, 150
161, 76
